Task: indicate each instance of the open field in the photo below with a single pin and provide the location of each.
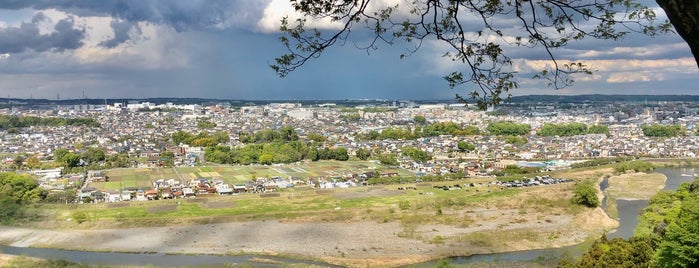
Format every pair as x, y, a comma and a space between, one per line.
377, 225
144, 177
632, 186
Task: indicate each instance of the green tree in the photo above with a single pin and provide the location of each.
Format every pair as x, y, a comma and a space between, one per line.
585, 194
289, 133
363, 153
206, 124
181, 137
168, 157
544, 25
17, 191
221, 137
340, 154
419, 119
93, 155
679, 246
316, 137
508, 128
636, 252
662, 130
266, 159
32, 162
313, 154
18, 162
465, 146
388, 159
416, 154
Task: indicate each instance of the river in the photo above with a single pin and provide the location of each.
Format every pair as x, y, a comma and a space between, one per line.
628, 214
628, 219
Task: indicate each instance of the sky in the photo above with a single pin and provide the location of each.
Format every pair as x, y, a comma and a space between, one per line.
61, 49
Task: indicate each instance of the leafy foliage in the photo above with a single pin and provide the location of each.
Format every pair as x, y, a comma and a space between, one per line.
270, 146
419, 119
600, 162
388, 159
667, 235
662, 130
206, 124
585, 194
679, 246
508, 128
571, 129
17, 191
284, 134
478, 48
203, 139
431, 130
636, 252
13, 121
363, 153
465, 146
416, 154
636, 166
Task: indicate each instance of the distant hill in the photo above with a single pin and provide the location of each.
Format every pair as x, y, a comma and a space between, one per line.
601, 98
596, 98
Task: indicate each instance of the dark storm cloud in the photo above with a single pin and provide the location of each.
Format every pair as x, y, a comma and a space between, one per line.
27, 36
121, 33
181, 15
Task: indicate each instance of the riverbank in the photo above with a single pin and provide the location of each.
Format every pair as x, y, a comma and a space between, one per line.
632, 186
535, 218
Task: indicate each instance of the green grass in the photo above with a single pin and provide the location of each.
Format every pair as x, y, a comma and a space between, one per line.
144, 177
374, 203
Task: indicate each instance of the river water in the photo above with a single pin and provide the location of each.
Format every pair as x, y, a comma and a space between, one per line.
628, 219
628, 215
630, 209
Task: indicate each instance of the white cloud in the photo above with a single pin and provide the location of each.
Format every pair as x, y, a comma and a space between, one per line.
627, 77
641, 52
278, 9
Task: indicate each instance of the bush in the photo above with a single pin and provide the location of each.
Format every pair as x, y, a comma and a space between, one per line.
79, 216
585, 194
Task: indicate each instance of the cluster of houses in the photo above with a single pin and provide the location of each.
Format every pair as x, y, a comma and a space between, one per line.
172, 189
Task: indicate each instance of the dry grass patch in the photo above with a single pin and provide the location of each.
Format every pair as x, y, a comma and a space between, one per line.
159, 209
118, 205
632, 186
197, 200
220, 204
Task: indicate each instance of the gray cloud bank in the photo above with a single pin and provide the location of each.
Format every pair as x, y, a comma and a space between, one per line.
28, 36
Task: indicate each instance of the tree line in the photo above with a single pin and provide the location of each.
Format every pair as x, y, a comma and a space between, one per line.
271, 146
13, 121
431, 130
571, 129
657, 130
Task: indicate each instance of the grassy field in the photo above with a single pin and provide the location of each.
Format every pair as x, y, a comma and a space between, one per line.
144, 177
378, 203
632, 186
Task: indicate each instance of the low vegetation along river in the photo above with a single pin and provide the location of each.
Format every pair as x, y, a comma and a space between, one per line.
628, 211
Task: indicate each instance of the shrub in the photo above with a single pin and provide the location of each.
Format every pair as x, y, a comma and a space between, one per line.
585, 194
80, 216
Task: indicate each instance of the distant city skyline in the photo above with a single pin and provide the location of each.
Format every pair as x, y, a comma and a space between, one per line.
222, 49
